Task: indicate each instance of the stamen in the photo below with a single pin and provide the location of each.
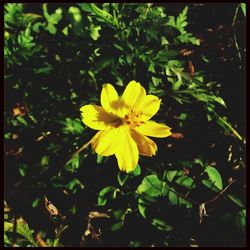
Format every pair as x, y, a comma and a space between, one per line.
131, 119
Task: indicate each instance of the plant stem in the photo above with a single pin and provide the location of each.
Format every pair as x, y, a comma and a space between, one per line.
79, 150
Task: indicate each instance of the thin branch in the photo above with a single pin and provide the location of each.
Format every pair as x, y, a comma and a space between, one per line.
220, 193
235, 15
237, 47
235, 39
79, 150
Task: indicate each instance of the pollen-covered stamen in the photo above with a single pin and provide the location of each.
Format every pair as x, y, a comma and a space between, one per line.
132, 118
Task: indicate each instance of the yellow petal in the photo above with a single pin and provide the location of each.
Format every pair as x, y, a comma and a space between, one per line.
109, 98
97, 118
154, 129
103, 142
133, 94
126, 152
149, 107
145, 145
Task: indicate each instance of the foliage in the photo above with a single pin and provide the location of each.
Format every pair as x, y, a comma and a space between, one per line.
57, 56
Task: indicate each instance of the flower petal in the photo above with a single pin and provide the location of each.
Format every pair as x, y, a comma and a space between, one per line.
133, 94
126, 152
97, 118
145, 145
109, 97
149, 107
103, 142
154, 129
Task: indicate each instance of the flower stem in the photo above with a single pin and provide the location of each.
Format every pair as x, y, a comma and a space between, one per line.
79, 150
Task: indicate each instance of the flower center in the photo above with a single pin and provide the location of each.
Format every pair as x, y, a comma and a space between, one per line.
132, 119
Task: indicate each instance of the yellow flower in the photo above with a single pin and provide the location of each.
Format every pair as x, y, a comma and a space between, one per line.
124, 124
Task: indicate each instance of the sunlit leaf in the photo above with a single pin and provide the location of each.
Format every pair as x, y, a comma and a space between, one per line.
214, 176
236, 200
151, 185
122, 178
171, 174
104, 194
243, 7
185, 181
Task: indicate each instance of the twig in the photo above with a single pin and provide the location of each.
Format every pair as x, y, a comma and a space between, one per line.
237, 47
235, 39
14, 232
79, 150
202, 206
221, 192
235, 15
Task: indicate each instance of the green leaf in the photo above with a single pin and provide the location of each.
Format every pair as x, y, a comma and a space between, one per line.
7, 135
136, 171
156, 81
104, 194
118, 214
240, 220
85, 7
52, 19
8, 226
76, 13
220, 100
72, 185
151, 186
209, 184
91, 7
142, 207
122, 178
236, 200
183, 116
94, 32
65, 30
73, 164
23, 169
243, 8
171, 174
214, 176
36, 202
24, 230
99, 159
36, 27
45, 161
7, 241
177, 200
22, 120
134, 243
165, 54
185, 181
57, 181
225, 124
117, 226
43, 70
104, 63
161, 225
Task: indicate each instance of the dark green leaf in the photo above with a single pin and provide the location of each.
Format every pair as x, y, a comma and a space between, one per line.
240, 220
